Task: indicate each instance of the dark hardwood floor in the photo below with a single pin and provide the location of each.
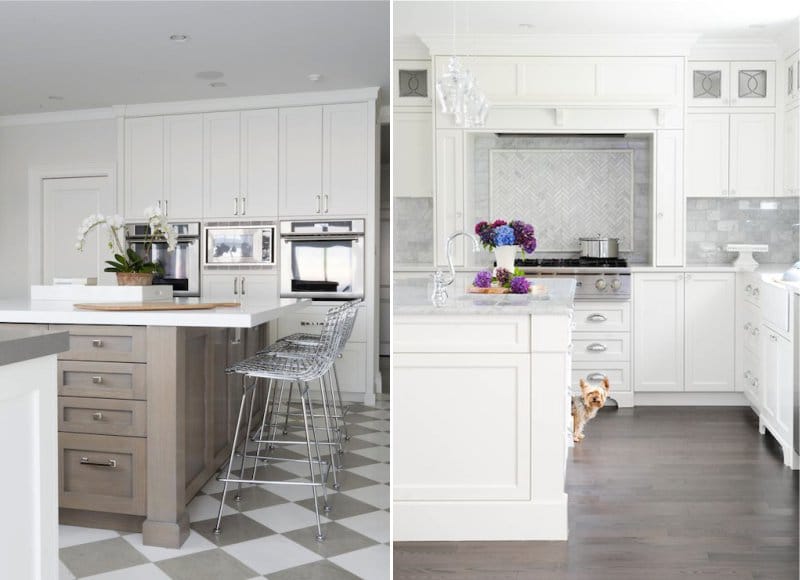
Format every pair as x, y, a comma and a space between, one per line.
654, 493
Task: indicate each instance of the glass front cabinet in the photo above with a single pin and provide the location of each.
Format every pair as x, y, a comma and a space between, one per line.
731, 84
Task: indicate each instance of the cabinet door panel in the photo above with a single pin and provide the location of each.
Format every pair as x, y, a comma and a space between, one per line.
449, 193
259, 159
752, 84
144, 164
752, 156
258, 286
221, 287
183, 166
301, 161
221, 164
412, 168
707, 145
708, 84
345, 165
710, 332
669, 199
791, 153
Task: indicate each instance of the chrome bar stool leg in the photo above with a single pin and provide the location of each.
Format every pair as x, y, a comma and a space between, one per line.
238, 497
263, 425
233, 454
331, 452
305, 402
288, 409
341, 404
322, 464
276, 414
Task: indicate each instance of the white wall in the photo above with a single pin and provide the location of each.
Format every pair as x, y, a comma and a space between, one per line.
75, 144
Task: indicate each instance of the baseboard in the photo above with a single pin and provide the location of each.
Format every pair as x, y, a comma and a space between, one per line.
690, 399
622, 399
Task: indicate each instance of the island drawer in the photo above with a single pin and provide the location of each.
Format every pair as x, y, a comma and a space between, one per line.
105, 343
102, 379
102, 416
600, 346
618, 375
102, 473
602, 316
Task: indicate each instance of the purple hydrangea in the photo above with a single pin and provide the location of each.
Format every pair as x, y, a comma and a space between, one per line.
520, 285
504, 236
524, 235
503, 276
483, 279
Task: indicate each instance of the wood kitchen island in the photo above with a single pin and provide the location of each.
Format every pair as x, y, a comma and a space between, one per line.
145, 411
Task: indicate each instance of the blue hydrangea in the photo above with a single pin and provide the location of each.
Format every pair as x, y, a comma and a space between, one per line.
504, 236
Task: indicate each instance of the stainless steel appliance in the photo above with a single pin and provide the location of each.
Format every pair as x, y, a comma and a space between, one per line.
322, 259
597, 278
250, 244
599, 247
182, 266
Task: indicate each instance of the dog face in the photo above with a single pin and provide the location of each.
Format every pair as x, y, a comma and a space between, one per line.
594, 396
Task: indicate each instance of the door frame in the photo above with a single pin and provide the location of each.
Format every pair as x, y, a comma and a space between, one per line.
36, 177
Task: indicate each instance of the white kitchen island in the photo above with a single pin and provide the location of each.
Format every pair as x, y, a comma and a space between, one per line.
480, 396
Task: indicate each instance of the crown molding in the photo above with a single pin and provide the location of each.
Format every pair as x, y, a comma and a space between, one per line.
561, 44
409, 48
734, 49
56, 117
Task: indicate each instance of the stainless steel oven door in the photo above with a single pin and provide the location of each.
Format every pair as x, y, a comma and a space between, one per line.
323, 267
181, 267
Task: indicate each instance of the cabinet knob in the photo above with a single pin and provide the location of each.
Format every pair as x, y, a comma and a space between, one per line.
97, 416
97, 380
660, 215
748, 289
97, 343
748, 326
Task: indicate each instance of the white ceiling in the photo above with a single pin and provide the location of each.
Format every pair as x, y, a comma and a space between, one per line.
710, 18
96, 54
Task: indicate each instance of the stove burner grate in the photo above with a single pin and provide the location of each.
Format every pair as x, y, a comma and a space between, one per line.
571, 263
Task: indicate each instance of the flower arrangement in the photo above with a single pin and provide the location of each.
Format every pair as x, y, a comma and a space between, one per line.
126, 260
502, 233
515, 281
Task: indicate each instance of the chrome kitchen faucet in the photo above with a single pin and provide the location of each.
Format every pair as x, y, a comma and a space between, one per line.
440, 283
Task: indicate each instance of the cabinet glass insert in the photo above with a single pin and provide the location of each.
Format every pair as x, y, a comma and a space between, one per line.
707, 84
752, 84
413, 83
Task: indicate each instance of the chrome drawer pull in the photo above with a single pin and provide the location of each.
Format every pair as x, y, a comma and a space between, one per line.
109, 463
97, 416
97, 380
97, 343
597, 317
595, 377
597, 347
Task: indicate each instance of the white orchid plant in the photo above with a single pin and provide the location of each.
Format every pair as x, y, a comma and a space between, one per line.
125, 259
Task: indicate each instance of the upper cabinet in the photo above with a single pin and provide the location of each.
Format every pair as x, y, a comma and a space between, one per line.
792, 68
144, 165
301, 161
412, 167
731, 84
791, 152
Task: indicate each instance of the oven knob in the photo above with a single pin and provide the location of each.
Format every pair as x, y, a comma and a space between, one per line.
616, 284
600, 284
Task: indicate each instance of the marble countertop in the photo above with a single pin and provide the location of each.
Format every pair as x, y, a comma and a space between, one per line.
412, 296
248, 315
21, 344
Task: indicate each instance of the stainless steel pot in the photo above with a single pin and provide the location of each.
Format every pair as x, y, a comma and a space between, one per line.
599, 247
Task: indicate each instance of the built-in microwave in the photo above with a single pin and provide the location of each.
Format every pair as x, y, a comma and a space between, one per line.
239, 244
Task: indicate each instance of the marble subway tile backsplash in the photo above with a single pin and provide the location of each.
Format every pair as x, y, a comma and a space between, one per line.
412, 221
713, 222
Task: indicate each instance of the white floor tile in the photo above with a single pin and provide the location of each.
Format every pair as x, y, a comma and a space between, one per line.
370, 563
378, 425
295, 492
374, 471
64, 573
194, 543
377, 495
299, 468
285, 517
378, 437
376, 453
143, 572
272, 554
374, 525
213, 486
204, 507
74, 535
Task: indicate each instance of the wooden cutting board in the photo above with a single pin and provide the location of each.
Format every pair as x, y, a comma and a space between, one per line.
163, 305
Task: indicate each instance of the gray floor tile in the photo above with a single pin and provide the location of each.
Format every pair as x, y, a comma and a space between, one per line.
350, 480
343, 506
253, 497
99, 557
358, 418
322, 570
350, 460
235, 528
355, 429
339, 540
210, 565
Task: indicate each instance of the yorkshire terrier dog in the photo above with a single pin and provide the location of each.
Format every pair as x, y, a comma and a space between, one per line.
586, 405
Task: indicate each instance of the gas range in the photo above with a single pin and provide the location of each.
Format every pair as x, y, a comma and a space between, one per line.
597, 278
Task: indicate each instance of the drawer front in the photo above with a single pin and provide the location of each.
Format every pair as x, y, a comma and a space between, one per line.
601, 346
602, 317
105, 343
102, 473
102, 416
775, 307
455, 333
751, 377
750, 290
103, 380
312, 319
618, 376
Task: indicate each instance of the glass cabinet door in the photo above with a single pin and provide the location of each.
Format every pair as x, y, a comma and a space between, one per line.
752, 84
709, 84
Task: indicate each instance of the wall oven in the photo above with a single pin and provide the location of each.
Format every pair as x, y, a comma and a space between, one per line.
322, 260
239, 245
181, 267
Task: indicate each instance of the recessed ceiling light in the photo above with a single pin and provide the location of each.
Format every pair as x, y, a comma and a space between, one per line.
209, 75
218, 84
55, 98
179, 37
527, 25
314, 77
757, 26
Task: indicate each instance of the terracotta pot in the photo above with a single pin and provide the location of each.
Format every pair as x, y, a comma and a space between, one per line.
134, 279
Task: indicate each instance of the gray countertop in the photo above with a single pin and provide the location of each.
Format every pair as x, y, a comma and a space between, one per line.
412, 296
21, 344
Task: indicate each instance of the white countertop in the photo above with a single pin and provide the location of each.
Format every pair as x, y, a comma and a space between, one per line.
412, 296
248, 315
21, 344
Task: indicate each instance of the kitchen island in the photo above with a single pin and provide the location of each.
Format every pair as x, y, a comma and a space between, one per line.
481, 408
145, 409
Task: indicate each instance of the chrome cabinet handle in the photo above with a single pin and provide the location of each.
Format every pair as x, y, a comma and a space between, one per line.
756, 292
242, 285
597, 317
748, 289
595, 377
325, 203
748, 374
235, 205
158, 204
97, 416
97, 343
754, 382
244, 205
109, 463
97, 380
236, 285
166, 208
596, 347
319, 203
748, 326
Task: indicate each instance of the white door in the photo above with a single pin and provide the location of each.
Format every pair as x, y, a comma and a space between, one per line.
183, 166
710, 331
791, 153
144, 165
752, 156
221, 184
301, 161
707, 147
66, 202
412, 169
346, 177
259, 163
669, 198
658, 304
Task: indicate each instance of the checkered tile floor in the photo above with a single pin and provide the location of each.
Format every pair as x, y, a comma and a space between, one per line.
270, 533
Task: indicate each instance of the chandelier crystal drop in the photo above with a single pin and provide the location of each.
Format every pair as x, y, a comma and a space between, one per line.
459, 95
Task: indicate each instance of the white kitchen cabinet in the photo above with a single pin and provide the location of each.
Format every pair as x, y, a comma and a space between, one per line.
731, 84
791, 152
707, 145
792, 79
669, 225
709, 327
144, 165
449, 194
345, 160
221, 183
183, 166
708, 84
658, 352
777, 388
300, 161
412, 169
238, 286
